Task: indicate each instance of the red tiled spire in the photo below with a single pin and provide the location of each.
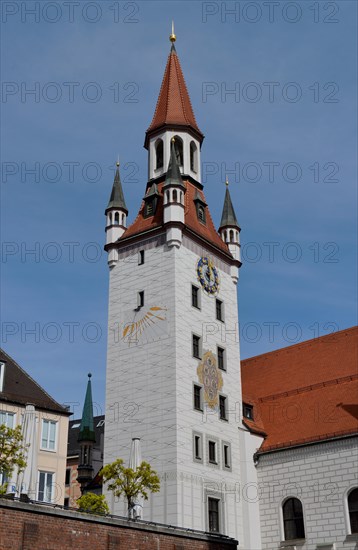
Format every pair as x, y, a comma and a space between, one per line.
173, 105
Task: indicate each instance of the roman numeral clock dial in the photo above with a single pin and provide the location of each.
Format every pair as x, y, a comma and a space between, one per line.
208, 275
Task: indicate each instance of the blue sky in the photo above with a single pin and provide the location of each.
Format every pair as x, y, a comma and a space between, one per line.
287, 138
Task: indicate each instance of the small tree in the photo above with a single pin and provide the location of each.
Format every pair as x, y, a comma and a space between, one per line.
12, 451
129, 482
93, 504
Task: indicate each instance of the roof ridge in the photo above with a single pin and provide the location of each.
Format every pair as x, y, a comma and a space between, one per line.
304, 389
313, 439
311, 341
32, 380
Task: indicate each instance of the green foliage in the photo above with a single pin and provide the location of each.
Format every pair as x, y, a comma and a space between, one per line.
93, 504
12, 451
130, 483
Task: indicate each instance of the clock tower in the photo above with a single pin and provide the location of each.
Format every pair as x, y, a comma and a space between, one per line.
173, 366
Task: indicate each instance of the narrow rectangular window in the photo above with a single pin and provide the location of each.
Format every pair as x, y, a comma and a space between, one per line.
226, 453
140, 298
195, 296
141, 257
213, 512
45, 487
221, 359
66, 502
223, 407
196, 346
198, 406
197, 447
219, 310
48, 437
68, 476
212, 452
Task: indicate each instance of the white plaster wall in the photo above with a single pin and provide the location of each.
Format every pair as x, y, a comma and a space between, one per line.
150, 385
249, 443
320, 476
167, 137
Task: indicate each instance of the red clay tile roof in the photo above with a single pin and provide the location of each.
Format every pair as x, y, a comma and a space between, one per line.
207, 231
173, 105
304, 393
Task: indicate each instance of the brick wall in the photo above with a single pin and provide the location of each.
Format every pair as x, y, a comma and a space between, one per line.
34, 527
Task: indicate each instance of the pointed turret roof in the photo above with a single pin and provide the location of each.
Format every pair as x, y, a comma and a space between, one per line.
116, 199
86, 429
174, 105
173, 176
228, 217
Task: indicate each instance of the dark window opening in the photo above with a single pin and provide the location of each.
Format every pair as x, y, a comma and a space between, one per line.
175, 196
193, 157
248, 411
213, 511
116, 218
221, 358
195, 297
178, 146
222, 407
149, 208
197, 398
219, 310
197, 447
212, 452
353, 510
141, 298
159, 152
141, 257
201, 214
226, 456
196, 346
66, 502
293, 519
68, 476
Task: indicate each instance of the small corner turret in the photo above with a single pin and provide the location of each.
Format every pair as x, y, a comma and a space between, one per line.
116, 217
173, 206
229, 230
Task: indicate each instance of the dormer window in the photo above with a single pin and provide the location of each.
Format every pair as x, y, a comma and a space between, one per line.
151, 200
193, 157
201, 214
248, 411
159, 154
149, 208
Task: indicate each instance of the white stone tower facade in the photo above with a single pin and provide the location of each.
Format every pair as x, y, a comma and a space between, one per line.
173, 365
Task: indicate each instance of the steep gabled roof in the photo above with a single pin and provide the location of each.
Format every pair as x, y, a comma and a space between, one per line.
174, 105
19, 388
304, 393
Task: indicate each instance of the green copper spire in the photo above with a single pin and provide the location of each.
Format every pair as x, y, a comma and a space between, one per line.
228, 217
86, 428
116, 199
173, 176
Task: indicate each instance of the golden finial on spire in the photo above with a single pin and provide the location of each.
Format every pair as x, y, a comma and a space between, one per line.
117, 163
172, 37
227, 181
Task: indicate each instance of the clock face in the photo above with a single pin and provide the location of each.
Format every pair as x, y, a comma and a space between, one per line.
208, 275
